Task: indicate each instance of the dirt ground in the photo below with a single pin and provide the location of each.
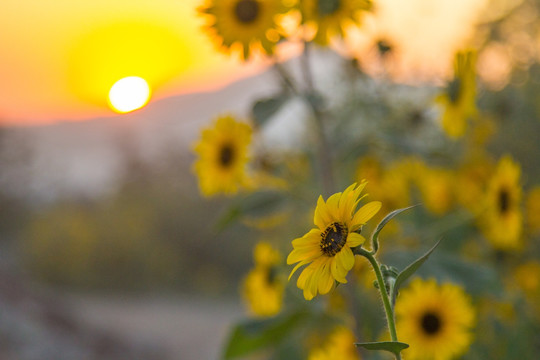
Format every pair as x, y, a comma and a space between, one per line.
186, 328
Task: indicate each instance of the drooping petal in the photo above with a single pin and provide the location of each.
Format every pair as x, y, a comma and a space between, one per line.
337, 271
346, 258
304, 277
326, 281
296, 268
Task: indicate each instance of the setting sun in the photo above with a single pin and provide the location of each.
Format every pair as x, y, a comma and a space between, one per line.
128, 94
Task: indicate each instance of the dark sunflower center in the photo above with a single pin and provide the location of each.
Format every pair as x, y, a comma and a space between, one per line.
246, 11
333, 238
454, 90
328, 7
226, 155
504, 200
431, 323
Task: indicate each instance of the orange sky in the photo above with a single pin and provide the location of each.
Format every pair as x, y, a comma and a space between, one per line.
59, 57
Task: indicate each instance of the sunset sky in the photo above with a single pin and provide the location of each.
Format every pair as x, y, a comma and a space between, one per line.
59, 58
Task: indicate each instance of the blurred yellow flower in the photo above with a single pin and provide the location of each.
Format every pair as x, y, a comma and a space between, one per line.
390, 185
527, 277
223, 156
473, 176
458, 101
434, 320
533, 210
502, 220
331, 17
339, 345
262, 289
436, 188
244, 25
327, 248
265, 255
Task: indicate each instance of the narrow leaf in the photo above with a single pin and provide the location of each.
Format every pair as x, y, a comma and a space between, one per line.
253, 335
409, 270
394, 347
380, 226
264, 109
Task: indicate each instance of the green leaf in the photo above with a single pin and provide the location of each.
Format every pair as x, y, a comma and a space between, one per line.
257, 204
264, 109
394, 347
411, 269
253, 335
380, 226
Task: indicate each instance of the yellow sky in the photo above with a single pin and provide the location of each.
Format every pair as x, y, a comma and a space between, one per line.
58, 58
52, 54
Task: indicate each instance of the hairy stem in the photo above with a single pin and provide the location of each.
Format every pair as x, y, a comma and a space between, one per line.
388, 308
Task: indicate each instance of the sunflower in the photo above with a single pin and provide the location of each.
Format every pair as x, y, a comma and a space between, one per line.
533, 210
434, 320
223, 156
436, 188
502, 221
331, 17
327, 248
527, 277
458, 101
244, 25
262, 289
339, 345
390, 184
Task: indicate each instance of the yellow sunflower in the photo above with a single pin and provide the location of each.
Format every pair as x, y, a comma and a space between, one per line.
327, 248
502, 220
434, 320
244, 25
527, 277
458, 101
262, 289
339, 345
223, 156
533, 210
331, 17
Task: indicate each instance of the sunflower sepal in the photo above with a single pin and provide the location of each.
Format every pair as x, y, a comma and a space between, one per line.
410, 270
389, 274
395, 347
381, 225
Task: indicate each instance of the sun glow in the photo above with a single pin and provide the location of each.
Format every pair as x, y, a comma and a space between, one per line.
128, 94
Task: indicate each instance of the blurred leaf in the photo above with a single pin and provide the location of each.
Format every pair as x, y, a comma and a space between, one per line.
380, 226
257, 204
315, 99
253, 335
394, 347
478, 278
411, 269
264, 109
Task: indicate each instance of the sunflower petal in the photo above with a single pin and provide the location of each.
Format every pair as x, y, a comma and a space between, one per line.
327, 281
338, 272
296, 268
322, 216
355, 239
365, 213
346, 258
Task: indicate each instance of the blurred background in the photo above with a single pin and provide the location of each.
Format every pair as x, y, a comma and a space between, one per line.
107, 250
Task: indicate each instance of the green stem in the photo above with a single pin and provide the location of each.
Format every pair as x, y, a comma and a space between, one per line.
384, 294
324, 157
